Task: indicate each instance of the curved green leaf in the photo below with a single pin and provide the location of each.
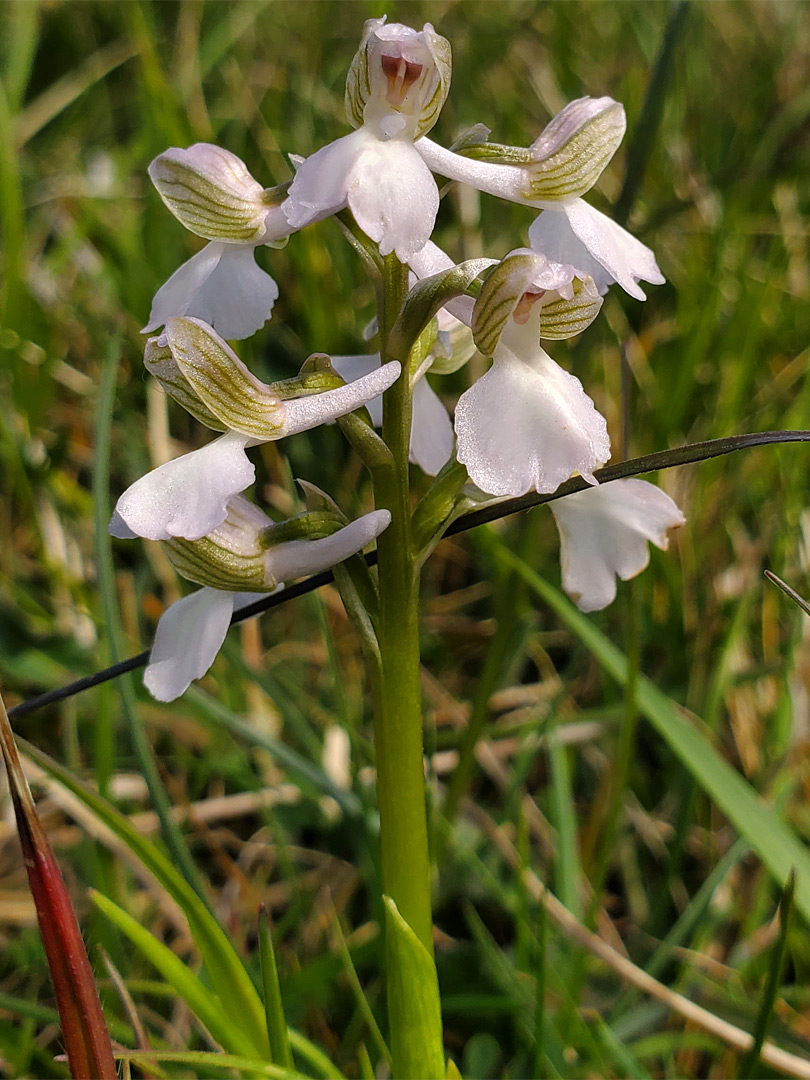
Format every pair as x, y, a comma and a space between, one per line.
415, 1011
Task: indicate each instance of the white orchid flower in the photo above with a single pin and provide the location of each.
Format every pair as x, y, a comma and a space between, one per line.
395, 89
604, 533
431, 445
563, 164
187, 497
191, 632
527, 425
212, 193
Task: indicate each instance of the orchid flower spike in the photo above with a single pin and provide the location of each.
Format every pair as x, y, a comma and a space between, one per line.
395, 89
211, 192
527, 425
188, 497
246, 556
604, 533
563, 163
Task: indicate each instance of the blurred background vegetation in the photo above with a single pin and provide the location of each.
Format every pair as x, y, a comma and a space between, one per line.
91, 92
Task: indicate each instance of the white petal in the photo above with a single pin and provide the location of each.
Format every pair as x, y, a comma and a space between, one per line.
550, 234
604, 533
503, 181
431, 430
223, 286
237, 298
394, 197
188, 637
431, 260
301, 414
176, 295
321, 182
626, 259
525, 427
297, 558
352, 368
186, 497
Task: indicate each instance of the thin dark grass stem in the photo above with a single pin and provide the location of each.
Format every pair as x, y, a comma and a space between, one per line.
492, 511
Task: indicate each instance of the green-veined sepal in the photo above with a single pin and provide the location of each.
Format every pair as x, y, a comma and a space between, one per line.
212, 193
568, 157
222, 382
159, 361
565, 317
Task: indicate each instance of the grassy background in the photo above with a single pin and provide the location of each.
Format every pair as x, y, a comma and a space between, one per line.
90, 93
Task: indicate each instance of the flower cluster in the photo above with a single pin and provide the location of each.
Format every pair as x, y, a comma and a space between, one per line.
525, 425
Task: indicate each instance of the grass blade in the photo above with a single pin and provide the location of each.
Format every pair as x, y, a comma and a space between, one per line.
651, 112
202, 1060
273, 1007
357, 989
205, 1005
774, 843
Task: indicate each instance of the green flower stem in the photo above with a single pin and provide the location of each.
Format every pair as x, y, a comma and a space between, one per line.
398, 724
398, 711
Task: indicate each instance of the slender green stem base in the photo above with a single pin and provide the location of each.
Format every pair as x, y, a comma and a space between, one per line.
398, 721
406, 874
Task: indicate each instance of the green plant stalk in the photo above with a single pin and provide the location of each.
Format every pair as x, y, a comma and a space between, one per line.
398, 711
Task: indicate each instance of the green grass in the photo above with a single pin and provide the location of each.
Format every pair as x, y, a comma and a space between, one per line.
90, 92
